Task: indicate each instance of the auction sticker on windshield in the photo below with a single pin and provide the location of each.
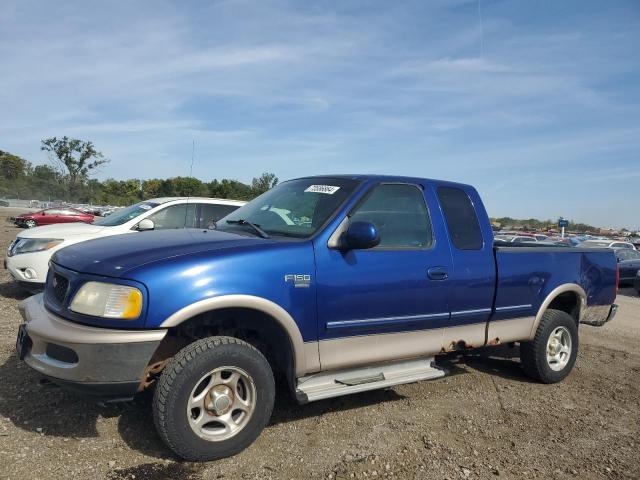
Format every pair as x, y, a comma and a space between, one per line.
328, 189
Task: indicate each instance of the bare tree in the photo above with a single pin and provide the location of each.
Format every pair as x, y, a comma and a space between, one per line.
78, 157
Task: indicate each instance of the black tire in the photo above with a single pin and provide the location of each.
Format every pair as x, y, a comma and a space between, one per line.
30, 224
183, 373
533, 354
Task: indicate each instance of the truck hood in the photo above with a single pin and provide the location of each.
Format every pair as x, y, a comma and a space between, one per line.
114, 256
62, 230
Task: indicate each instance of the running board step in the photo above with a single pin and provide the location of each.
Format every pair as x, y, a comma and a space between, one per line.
354, 380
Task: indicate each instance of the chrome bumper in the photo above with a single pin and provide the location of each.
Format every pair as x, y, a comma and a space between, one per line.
92, 360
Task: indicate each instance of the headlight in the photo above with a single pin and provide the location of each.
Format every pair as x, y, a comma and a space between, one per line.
108, 300
27, 245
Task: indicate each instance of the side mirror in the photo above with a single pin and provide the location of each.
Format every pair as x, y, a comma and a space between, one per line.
360, 236
145, 224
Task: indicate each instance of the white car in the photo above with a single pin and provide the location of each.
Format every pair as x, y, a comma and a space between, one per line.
28, 255
607, 244
516, 238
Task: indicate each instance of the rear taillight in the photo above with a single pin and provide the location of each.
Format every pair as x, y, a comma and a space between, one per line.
617, 277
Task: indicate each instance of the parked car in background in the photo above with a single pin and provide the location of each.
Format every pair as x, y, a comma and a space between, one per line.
540, 237
515, 238
28, 256
607, 244
50, 216
628, 265
568, 241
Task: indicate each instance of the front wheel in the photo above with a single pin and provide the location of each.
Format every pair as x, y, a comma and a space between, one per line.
550, 356
213, 399
30, 223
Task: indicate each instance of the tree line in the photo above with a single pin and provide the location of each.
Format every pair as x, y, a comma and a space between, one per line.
73, 162
535, 224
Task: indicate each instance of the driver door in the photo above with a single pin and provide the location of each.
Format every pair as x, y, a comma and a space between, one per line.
390, 300
48, 217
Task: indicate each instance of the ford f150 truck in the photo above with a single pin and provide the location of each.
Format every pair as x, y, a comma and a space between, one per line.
335, 284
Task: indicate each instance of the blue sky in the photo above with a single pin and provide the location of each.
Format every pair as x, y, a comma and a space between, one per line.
536, 103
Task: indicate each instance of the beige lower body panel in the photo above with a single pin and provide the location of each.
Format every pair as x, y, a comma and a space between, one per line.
464, 336
312, 357
510, 330
360, 350
365, 349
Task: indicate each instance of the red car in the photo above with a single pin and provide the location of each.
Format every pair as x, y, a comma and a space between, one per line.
49, 216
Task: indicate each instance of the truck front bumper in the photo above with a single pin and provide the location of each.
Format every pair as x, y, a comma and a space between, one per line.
106, 363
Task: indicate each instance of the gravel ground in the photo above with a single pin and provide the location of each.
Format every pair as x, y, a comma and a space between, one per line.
484, 420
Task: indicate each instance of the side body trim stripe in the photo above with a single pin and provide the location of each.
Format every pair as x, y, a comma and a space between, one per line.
385, 320
513, 307
470, 312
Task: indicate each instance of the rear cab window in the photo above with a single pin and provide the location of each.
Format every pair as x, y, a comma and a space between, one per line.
461, 218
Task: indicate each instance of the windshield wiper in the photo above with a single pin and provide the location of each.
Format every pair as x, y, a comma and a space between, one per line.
257, 228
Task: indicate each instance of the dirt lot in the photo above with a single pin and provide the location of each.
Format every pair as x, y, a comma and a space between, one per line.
484, 420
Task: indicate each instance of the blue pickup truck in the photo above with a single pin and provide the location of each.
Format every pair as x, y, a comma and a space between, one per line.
333, 284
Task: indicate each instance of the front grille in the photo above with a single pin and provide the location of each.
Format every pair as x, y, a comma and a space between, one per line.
60, 285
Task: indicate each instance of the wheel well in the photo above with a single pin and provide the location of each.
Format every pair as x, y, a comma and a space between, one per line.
568, 302
253, 326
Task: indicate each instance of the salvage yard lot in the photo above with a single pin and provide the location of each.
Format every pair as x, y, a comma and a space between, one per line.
484, 420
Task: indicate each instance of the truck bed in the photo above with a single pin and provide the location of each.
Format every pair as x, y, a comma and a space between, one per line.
528, 274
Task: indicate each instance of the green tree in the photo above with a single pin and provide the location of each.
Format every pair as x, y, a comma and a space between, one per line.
232, 189
151, 188
80, 158
187, 187
46, 183
264, 182
12, 166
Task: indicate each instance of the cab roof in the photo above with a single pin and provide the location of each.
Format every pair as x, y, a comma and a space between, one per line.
391, 178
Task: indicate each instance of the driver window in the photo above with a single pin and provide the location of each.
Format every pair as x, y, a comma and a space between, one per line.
399, 213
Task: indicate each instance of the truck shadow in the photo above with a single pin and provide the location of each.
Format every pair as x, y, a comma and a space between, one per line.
502, 361
12, 290
36, 405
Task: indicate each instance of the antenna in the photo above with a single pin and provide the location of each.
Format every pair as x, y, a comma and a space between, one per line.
481, 29
193, 152
186, 206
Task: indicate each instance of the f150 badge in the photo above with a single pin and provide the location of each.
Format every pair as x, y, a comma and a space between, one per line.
298, 280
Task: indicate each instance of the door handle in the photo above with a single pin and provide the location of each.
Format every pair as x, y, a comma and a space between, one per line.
438, 273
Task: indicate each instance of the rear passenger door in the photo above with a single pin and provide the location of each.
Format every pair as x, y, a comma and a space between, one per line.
390, 300
210, 213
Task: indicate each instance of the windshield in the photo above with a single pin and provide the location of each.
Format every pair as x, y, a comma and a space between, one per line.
125, 214
297, 208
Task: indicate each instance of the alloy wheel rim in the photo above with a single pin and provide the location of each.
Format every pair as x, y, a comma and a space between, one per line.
221, 403
559, 348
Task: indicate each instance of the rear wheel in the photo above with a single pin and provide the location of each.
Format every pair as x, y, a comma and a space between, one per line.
213, 399
550, 356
